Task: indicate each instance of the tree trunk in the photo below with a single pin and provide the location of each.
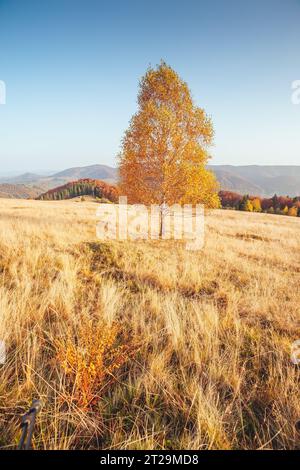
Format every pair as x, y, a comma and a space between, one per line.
163, 210
161, 223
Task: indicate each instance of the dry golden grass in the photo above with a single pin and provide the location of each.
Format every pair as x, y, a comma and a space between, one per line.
145, 345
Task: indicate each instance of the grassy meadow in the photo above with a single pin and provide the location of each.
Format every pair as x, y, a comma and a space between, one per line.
145, 345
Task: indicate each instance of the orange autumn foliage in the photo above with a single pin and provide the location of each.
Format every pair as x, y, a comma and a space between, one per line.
91, 362
164, 151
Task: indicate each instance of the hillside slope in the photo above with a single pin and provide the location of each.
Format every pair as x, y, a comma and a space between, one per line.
18, 191
83, 187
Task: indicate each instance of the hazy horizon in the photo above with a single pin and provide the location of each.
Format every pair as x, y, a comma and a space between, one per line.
48, 172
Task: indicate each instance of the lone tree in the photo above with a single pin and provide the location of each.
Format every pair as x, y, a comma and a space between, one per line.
164, 150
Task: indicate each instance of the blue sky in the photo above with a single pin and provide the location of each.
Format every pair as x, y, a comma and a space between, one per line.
72, 69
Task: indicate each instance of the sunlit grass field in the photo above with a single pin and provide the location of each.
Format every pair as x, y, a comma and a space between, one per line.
144, 345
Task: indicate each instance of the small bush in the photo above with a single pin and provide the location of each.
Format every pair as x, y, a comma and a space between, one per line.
91, 361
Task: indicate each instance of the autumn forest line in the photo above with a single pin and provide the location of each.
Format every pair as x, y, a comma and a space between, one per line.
280, 205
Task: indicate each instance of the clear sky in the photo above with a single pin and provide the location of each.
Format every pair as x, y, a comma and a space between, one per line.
72, 67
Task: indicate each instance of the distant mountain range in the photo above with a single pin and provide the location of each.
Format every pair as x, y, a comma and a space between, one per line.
38, 184
259, 180
102, 172
251, 179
